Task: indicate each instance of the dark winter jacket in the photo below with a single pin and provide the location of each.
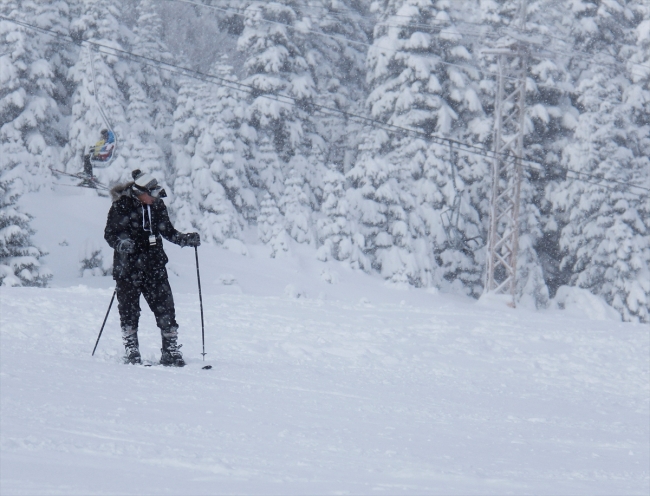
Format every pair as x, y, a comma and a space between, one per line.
125, 220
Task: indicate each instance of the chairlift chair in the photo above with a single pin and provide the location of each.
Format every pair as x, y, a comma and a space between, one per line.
455, 236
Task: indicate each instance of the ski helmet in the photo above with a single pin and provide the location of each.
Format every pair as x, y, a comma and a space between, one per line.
146, 183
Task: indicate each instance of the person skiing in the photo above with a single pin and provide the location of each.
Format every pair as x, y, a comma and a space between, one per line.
137, 222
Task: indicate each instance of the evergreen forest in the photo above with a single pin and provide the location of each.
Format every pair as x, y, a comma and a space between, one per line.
358, 128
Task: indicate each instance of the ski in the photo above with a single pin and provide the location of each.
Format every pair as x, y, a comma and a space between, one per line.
147, 363
100, 192
86, 182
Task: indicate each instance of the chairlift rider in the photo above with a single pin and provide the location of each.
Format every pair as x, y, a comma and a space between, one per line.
102, 151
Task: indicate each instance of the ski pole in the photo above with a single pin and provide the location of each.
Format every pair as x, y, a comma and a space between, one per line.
105, 319
198, 278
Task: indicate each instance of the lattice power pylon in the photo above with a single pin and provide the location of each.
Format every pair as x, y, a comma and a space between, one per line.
509, 112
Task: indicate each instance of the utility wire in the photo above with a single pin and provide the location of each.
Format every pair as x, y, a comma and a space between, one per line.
513, 27
101, 111
269, 21
473, 149
341, 16
347, 40
422, 27
362, 43
289, 100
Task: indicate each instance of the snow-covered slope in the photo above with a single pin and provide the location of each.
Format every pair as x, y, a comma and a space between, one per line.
317, 387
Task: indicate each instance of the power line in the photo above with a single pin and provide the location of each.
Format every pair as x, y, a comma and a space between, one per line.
340, 16
347, 40
269, 21
237, 86
497, 35
522, 31
433, 28
373, 46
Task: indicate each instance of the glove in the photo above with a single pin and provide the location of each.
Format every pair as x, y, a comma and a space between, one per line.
192, 239
125, 246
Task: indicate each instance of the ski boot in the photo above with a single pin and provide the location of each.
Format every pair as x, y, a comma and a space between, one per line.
88, 179
170, 350
130, 338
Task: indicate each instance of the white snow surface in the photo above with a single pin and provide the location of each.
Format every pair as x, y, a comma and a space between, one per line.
324, 381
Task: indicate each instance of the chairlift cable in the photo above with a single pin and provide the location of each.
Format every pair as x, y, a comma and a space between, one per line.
194, 74
347, 40
101, 110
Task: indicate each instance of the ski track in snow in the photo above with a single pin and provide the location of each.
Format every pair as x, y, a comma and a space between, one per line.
321, 397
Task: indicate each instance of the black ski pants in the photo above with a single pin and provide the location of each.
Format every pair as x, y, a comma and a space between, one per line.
154, 286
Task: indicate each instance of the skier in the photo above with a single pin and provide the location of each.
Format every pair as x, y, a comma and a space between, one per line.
136, 221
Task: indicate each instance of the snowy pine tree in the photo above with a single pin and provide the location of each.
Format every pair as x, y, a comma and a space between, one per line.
106, 74
151, 97
30, 114
270, 227
218, 219
274, 66
265, 172
382, 203
212, 150
403, 183
606, 227
335, 49
158, 85
211, 180
299, 50
603, 224
139, 147
295, 207
548, 126
27, 114
336, 233
230, 140
187, 117
91, 260
369, 196
19, 258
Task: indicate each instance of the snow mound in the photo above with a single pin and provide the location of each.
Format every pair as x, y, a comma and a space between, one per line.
295, 292
329, 276
235, 246
227, 279
582, 303
493, 300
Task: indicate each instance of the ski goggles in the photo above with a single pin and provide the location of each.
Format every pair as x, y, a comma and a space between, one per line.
146, 183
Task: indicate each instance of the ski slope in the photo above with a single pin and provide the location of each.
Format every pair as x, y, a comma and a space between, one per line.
324, 381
